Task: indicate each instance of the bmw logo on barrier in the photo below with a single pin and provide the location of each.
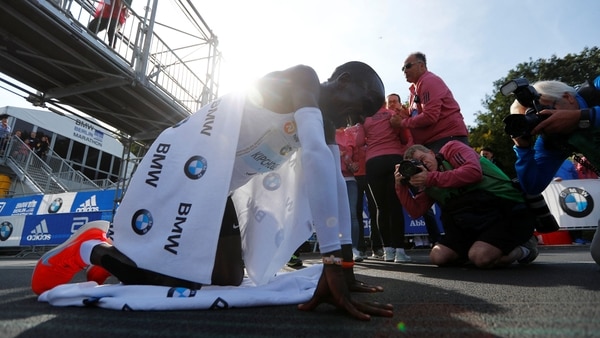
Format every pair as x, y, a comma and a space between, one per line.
272, 181
141, 222
6, 229
576, 202
54, 207
195, 167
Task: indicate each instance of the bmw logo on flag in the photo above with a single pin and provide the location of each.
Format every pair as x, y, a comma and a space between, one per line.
179, 292
272, 181
141, 222
6, 229
576, 202
54, 207
195, 167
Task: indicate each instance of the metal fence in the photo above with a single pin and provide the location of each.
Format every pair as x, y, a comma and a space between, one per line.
186, 68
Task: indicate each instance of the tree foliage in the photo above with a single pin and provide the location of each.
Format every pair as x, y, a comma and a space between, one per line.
573, 69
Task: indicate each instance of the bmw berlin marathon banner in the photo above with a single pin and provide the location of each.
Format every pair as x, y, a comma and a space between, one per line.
40, 220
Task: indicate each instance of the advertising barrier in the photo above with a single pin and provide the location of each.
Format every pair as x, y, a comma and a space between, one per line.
574, 203
46, 220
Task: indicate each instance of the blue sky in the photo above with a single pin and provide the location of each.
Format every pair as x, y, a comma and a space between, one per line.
469, 43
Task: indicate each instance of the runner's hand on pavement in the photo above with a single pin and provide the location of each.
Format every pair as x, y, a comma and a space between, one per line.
332, 289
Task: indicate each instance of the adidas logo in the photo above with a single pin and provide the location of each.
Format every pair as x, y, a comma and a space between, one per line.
40, 232
88, 205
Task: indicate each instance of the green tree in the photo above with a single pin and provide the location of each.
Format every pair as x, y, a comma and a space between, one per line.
573, 69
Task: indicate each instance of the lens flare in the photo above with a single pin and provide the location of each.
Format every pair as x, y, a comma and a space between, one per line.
401, 327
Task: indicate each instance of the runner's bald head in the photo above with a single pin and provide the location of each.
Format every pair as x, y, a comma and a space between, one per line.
363, 75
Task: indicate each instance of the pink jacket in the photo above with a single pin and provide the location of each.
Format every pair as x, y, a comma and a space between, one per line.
435, 114
381, 138
360, 150
467, 170
113, 10
347, 143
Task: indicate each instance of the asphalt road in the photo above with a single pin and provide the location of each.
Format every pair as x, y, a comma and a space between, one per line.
556, 296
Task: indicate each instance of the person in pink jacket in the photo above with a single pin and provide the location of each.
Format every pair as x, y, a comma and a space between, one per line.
364, 192
111, 15
385, 149
433, 115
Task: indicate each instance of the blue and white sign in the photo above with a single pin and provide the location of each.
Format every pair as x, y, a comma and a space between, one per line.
574, 203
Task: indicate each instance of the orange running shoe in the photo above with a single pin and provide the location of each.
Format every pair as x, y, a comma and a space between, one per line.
59, 265
97, 274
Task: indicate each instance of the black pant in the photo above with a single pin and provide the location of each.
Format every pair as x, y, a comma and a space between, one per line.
100, 24
364, 190
390, 218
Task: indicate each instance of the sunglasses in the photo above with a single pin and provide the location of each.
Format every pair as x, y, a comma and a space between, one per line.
409, 65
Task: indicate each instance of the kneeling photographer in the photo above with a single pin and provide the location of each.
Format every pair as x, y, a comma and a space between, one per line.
485, 217
568, 123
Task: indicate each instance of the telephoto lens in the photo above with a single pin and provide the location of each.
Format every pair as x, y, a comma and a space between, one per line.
545, 221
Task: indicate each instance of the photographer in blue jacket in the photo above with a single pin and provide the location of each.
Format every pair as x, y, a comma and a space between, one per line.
566, 121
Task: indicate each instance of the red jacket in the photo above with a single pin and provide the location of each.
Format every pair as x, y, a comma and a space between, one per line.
114, 10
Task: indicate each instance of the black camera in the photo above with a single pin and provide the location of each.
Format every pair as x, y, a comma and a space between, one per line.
518, 125
545, 221
408, 168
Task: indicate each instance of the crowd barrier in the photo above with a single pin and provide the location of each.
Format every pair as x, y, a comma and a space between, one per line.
48, 220
574, 203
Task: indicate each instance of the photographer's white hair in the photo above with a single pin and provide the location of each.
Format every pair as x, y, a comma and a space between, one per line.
554, 90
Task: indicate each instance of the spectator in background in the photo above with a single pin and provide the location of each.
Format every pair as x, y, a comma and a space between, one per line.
488, 153
5, 132
583, 171
433, 232
433, 115
41, 148
385, 148
111, 15
567, 171
20, 148
349, 164
485, 217
32, 140
363, 191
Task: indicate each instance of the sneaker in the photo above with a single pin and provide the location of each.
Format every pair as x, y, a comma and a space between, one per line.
389, 254
59, 265
356, 256
294, 262
96, 273
531, 244
418, 241
401, 257
377, 254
